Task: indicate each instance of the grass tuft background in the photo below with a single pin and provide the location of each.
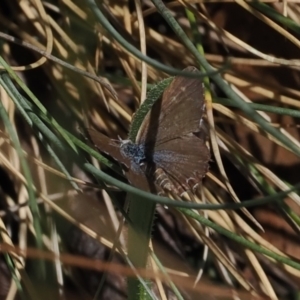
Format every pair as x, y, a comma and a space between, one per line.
67, 65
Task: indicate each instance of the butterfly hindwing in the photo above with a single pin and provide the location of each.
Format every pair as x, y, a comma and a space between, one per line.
184, 160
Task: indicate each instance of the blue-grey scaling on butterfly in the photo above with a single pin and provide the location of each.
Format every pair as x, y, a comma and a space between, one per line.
170, 152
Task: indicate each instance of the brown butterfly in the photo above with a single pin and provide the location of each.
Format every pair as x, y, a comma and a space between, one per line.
170, 151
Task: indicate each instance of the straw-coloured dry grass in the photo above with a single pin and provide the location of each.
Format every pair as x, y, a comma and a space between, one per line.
64, 227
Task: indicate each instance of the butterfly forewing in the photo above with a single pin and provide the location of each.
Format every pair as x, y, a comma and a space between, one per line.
177, 113
108, 146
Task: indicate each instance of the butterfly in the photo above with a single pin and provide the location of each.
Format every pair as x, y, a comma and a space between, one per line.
170, 152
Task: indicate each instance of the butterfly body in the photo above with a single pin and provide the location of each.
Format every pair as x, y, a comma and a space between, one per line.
134, 152
170, 151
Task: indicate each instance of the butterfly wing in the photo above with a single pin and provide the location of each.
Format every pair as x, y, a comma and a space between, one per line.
177, 113
184, 160
168, 134
108, 146
137, 177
